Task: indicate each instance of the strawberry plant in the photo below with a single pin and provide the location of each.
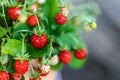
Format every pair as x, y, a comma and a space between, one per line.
44, 30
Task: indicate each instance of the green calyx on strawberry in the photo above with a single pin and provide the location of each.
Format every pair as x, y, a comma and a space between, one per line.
38, 78
32, 20
4, 75
13, 12
65, 56
80, 54
35, 76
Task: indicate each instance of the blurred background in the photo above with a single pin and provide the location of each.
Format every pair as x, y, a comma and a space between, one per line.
103, 45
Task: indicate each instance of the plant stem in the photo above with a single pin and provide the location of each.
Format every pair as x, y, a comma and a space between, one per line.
24, 4
87, 19
11, 2
32, 68
23, 43
22, 31
4, 16
5, 20
38, 22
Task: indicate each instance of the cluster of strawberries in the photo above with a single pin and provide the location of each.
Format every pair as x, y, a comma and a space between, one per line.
38, 41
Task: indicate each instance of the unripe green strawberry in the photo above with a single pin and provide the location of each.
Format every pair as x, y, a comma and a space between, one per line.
22, 18
93, 25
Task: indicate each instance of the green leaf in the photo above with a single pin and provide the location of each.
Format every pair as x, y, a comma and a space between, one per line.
70, 40
35, 53
12, 46
21, 28
2, 32
77, 64
59, 66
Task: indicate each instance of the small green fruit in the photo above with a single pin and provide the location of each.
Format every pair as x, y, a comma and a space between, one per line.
22, 18
93, 25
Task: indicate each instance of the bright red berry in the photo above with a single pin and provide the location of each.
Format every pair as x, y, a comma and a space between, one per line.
4, 75
65, 56
21, 67
16, 76
32, 20
13, 12
60, 19
80, 54
38, 41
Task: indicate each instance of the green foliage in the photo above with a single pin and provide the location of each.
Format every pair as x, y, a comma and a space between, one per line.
12, 47
71, 41
77, 64
59, 66
19, 29
2, 32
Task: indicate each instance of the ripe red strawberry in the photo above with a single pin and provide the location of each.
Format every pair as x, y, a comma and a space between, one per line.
38, 41
4, 75
16, 76
60, 19
13, 12
65, 56
80, 54
21, 67
32, 20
